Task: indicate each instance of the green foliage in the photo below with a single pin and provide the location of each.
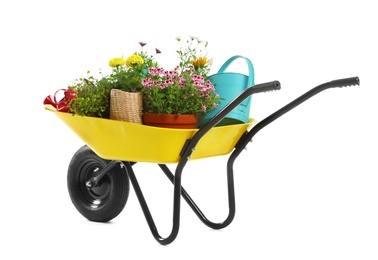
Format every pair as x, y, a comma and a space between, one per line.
93, 97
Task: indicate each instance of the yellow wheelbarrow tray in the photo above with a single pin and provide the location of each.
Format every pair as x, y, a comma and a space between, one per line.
100, 172
124, 141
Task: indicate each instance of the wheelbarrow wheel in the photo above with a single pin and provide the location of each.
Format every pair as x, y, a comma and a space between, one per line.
107, 199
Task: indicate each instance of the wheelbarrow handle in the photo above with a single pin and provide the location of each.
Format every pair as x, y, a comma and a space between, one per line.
331, 84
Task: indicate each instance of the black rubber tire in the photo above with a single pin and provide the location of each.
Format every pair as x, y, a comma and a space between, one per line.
107, 200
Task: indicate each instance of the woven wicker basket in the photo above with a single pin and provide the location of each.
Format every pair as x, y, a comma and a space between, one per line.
126, 106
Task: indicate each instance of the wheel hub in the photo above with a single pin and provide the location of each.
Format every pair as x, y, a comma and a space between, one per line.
96, 195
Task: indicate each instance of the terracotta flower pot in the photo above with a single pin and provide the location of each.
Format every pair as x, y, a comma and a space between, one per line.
170, 121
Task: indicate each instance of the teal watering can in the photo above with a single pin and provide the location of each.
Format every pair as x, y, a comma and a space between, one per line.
229, 85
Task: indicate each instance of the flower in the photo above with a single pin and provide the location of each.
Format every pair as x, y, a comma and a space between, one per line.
201, 62
127, 73
116, 62
183, 90
134, 60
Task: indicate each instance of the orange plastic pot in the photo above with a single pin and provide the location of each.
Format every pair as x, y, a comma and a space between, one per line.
170, 120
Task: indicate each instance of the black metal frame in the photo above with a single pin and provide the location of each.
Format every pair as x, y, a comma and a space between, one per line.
190, 145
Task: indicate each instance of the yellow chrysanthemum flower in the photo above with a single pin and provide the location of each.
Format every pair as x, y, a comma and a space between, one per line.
117, 62
134, 60
201, 61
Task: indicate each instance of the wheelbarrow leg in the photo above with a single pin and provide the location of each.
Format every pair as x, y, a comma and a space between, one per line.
196, 209
146, 211
177, 192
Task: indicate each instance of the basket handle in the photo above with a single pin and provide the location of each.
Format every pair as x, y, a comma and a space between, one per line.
251, 76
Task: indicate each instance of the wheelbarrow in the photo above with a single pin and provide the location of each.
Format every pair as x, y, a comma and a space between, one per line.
100, 172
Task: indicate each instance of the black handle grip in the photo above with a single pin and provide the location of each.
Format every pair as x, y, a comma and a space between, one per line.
345, 82
267, 87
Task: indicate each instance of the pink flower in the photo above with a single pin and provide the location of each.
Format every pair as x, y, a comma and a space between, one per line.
197, 78
172, 73
152, 71
146, 81
169, 82
197, 83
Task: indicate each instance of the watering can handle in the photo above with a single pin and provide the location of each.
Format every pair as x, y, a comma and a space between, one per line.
251, 76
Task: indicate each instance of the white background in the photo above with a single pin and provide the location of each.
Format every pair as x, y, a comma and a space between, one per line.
306, 188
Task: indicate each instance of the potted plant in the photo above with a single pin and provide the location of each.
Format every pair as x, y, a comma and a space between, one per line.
105, 96
125, 78
182, 93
